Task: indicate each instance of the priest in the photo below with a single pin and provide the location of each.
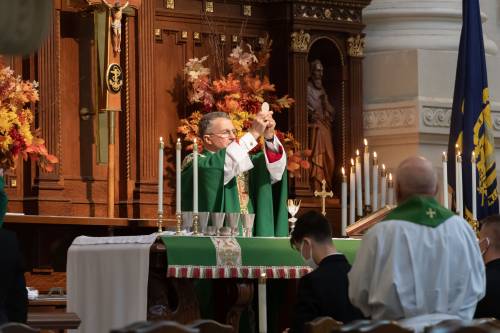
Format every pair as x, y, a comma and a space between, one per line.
231, 179
422, 264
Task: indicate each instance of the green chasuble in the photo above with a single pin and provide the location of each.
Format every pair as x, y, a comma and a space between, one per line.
268, 202
3, 200
419, 209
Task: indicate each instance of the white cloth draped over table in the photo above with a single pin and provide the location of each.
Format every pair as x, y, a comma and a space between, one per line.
107, 280
405, 270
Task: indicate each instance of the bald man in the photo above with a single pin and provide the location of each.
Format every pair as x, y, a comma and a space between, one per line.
489, 243
421, 264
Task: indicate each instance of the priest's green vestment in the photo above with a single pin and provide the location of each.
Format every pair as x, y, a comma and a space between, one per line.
268, 201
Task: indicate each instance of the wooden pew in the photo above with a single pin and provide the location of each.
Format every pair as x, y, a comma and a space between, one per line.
211, 326
322, 325
17, 328
55, 321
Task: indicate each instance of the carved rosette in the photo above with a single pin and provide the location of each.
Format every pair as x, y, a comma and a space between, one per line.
300, 41
355, 46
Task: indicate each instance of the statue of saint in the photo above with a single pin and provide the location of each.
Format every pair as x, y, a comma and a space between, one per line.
320, 113
116, 23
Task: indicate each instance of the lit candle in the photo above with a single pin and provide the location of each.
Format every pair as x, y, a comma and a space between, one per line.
383, 186
375, 181
178, 163
359, 192
161, 148
343, 203
390, 186
262, 304
474, 195
445, 180
366, 167
352, 193
195, 177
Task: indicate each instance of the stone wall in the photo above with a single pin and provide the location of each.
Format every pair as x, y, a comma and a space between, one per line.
409, 75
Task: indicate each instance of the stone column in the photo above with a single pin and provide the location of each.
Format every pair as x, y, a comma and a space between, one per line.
409, 76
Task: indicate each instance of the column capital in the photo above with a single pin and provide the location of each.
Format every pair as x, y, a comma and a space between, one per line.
416, 24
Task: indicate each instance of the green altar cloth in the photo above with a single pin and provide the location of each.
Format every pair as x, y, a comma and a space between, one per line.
238, 257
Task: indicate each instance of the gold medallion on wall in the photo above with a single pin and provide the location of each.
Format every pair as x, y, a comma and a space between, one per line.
114, 78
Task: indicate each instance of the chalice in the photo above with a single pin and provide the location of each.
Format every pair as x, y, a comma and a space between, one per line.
293, 208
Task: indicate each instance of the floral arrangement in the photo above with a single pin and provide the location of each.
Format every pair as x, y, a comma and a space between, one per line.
240, 93
16, 122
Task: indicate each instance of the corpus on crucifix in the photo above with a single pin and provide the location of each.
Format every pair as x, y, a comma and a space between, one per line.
323, 194
116, 23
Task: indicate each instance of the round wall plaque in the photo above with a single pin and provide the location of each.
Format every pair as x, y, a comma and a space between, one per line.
114, 78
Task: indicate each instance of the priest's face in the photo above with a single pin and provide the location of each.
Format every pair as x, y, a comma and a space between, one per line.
221, 134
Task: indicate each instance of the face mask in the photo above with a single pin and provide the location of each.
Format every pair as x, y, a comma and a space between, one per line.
310, 261
487, 240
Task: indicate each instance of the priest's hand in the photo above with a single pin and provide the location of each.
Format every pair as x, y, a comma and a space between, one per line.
269, 132
259, 124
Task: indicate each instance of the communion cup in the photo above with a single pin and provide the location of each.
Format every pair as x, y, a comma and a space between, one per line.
217, 219
233, 222
187, 220
203, 221
248, 220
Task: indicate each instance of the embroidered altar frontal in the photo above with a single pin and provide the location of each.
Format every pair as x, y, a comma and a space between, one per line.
236, 257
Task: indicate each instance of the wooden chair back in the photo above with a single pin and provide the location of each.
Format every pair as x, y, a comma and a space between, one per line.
163, 326
381, 326
211, 326
322, 325
483, 325
17, 328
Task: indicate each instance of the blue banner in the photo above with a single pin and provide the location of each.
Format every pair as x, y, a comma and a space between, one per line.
471, 127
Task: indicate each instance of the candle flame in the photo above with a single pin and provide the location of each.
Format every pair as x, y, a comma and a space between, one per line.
352, 162
195, 141
161, 139
357, 152
374, 154
343, 171
473, 157
366, 142
390, 176
178, 140
383, 167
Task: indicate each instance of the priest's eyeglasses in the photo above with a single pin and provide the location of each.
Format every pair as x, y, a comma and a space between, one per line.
226, 133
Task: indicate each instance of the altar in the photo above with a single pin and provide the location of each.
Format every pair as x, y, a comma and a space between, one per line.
184, 274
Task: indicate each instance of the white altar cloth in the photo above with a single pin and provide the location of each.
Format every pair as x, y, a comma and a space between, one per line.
107, 281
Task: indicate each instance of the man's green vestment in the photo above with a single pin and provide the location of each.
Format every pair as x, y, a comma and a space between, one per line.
268, 202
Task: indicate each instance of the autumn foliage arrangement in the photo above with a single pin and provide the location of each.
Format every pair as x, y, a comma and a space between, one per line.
17, 136
240, 94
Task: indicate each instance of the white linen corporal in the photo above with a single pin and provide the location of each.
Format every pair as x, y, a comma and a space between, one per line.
238, 161
107, 280
404, 270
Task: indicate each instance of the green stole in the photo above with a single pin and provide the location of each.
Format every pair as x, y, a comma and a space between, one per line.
268, 202
419, 209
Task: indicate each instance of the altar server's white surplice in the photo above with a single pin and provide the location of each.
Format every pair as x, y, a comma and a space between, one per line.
405, 269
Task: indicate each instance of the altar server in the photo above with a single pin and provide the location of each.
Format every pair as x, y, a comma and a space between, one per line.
422, 264
323, 292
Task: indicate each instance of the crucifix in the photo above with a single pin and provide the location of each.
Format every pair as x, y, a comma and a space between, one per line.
112, 76
323, 194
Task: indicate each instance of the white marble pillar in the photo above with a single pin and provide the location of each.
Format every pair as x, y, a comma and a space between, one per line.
409, 75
